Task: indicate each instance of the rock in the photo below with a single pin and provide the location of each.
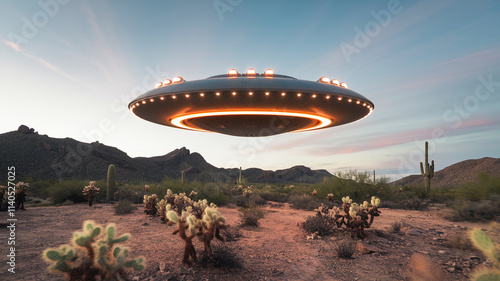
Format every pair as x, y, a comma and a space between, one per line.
369, 249
450, 269
442, 252
23, 129
415, 231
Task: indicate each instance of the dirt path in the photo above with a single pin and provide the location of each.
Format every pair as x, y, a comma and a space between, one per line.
277, 250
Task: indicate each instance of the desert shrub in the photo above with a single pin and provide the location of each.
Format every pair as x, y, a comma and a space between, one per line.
321, 225
345, 248
231, 233
480, 190
134, 194
274, 196
67, 203
124, 206
251, 216
396, 227
68, 190
414, 203
304, 202
466, 210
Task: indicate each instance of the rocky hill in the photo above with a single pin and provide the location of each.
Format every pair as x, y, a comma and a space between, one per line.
41, 157
457, 174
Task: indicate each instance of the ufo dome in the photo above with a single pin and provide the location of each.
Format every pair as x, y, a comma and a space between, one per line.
251, 104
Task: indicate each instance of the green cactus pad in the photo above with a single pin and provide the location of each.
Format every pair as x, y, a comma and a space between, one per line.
53, 255
481, 240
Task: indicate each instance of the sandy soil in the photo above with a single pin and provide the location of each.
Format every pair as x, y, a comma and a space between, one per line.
277, 250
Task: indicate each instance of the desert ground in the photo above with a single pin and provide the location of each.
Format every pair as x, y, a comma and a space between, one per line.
276, 250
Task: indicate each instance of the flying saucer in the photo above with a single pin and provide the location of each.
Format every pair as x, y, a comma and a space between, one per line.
251, 104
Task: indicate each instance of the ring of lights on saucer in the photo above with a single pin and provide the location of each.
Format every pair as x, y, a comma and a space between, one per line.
251, 104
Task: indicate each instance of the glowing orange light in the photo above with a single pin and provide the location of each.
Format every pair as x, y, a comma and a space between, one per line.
162, 98
283, 94
322, 121
187, 95
267, 93
133, 106
250, 93
251, 71
340, 98
299, 94
269, 72
166, 82
234, 93
232, 72
137, 104
202, 94
158, 85
151, 100
177, 79
324, 79
343, 84
335, 82
174, 97
327, 97
217, 94
144, 102
314, 95
358, 102
349, 100
364, 104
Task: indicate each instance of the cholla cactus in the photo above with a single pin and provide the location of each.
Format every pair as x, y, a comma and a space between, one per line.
150, 202
329, 197
491, 250
314, 192
146, 187
247, 192
193, 194
21, 188
193, 219
355, 217
90, 191
93, 255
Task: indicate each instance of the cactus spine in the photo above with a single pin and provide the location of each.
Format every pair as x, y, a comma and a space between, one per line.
110, 182
428, 172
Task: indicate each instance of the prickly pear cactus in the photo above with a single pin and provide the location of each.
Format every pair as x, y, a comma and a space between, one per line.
481, 240
93, 255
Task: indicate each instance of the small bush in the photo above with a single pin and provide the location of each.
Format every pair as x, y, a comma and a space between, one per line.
274, 196
304, 202
396, 227
320, 225
68, 190
124, 207
345, 248
131, 193
465, 210
231, 233
251, 216
415, 203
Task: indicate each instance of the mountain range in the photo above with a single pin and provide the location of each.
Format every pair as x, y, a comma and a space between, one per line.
40, 157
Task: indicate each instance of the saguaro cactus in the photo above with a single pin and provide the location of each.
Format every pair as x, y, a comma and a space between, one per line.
239, 178
110, 183
428, 172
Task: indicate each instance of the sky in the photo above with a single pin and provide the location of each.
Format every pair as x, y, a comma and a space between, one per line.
431, 68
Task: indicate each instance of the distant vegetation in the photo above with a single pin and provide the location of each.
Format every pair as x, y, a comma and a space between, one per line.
472, 201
